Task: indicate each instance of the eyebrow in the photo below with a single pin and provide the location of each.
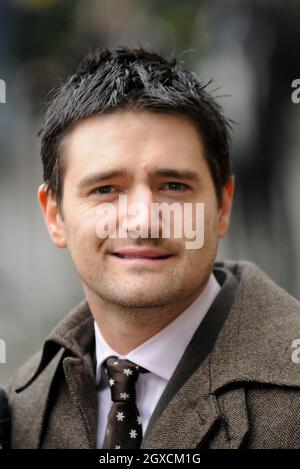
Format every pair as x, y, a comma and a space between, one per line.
96, 178
177, 173
100, 177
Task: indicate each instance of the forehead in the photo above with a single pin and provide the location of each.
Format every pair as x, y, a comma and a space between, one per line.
135, 139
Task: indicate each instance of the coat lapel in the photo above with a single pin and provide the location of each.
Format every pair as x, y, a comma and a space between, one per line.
187, 403
232, 405
69, 347
81, 383
32, 415
188, 418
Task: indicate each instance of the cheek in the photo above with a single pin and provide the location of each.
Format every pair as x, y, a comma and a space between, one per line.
82, 233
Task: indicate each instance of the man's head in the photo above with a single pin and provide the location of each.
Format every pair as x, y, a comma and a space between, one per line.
133, 114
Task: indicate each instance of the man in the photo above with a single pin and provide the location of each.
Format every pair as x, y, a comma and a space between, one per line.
168, 348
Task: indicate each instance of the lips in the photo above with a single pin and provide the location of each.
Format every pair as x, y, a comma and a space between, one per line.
122, 256
142, 253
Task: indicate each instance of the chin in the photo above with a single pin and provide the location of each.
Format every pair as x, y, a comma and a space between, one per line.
139, 301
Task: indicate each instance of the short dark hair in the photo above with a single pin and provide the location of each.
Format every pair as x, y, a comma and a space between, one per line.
135, 79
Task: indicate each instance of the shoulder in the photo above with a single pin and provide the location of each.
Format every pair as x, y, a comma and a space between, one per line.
258, 350
74, 334
259, 339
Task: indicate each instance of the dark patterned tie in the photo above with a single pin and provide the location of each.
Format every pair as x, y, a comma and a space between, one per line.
124, 426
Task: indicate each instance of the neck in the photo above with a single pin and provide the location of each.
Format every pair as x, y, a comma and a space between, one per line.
124, 329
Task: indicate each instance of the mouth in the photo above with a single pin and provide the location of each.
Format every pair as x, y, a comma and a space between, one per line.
145, 260
127, 256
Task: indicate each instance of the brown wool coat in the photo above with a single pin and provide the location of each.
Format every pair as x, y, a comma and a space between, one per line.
236, 385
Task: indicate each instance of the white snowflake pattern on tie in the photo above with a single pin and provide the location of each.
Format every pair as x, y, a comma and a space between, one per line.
124, 395
111, 382
115, 363
117, 447
120, 416
133, 434
128, 371
139, 420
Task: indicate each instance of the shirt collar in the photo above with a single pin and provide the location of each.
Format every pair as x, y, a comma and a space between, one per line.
162, 352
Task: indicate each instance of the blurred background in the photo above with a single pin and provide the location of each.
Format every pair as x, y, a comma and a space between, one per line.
249, 48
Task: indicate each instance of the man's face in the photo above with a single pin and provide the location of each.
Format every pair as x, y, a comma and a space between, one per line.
140, 144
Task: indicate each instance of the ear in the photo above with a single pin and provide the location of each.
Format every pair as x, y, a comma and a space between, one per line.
226, 206
52, 216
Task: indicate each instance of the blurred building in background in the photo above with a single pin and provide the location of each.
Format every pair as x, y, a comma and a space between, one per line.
249, 48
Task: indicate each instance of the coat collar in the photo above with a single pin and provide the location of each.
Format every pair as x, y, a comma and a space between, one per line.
71, 345
74, 334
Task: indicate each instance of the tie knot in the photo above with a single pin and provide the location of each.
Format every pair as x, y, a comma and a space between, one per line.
122, 376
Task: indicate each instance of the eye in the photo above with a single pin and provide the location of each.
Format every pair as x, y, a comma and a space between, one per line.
177, 186
104, 190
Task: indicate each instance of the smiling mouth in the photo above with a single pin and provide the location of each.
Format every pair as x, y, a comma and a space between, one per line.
123, 256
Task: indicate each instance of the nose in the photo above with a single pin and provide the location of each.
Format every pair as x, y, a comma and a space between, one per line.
140, 220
